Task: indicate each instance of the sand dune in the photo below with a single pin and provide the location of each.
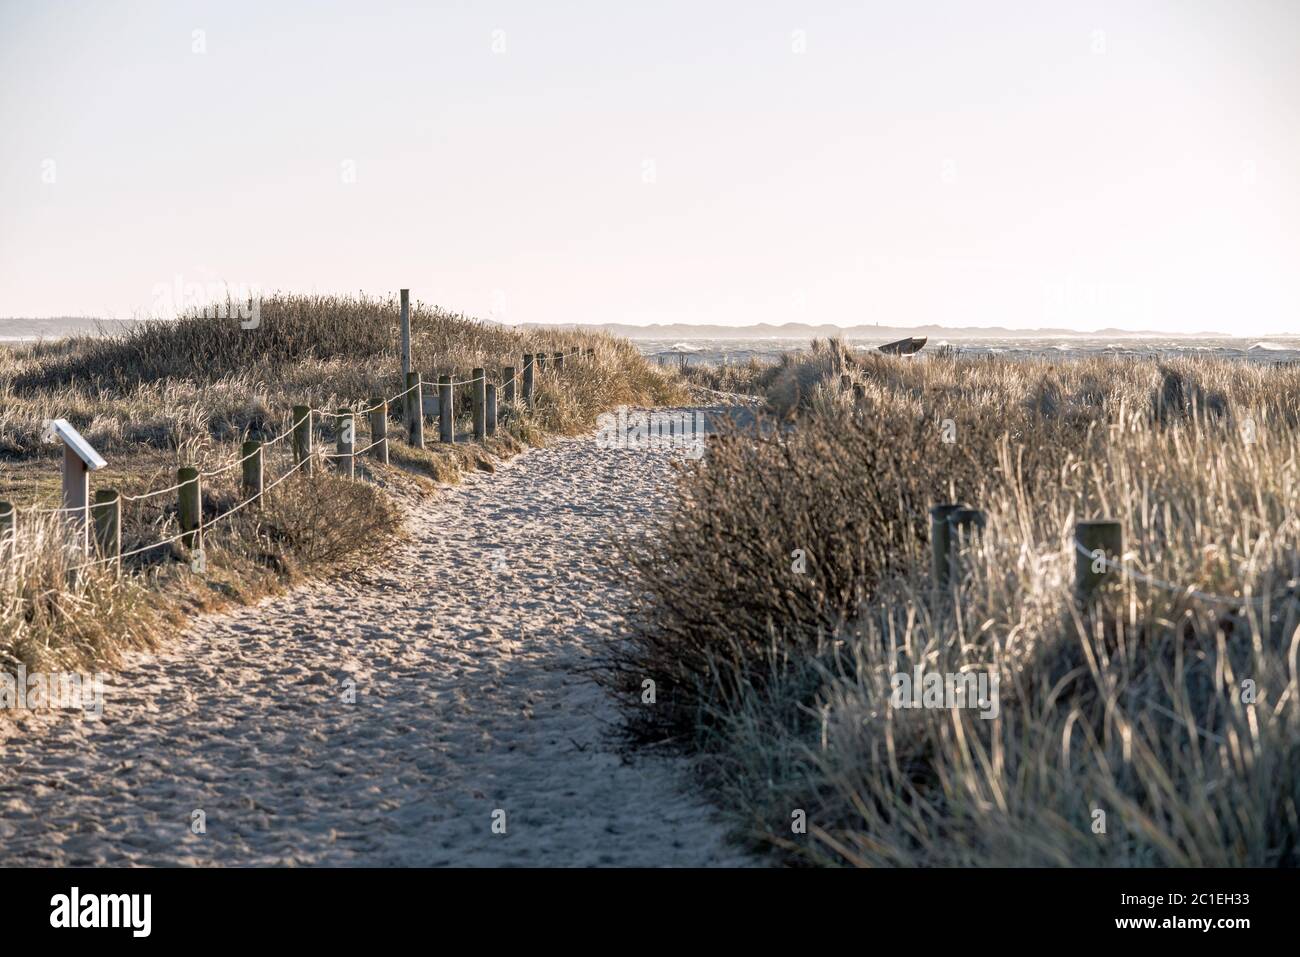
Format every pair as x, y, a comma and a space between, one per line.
471, 697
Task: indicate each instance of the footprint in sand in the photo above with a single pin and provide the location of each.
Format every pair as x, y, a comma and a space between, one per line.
469, 697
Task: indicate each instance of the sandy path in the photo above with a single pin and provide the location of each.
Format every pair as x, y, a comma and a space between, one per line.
470, 697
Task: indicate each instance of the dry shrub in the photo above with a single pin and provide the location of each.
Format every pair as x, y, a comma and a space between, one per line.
840, 496
742, 378
56, 618
1177, 716
328, 522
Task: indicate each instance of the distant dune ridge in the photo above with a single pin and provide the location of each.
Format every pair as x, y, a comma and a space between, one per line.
56, 327
22, 328
803, 330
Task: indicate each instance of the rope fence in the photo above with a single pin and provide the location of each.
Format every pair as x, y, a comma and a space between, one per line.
1098, 557
1099, 548
102, 519
1098, 544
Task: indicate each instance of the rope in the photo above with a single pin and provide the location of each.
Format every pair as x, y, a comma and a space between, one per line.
1168, 586
354, 453
202, 527
160, 491
409, 388
370, 408
248, 501
153, 493
230, 465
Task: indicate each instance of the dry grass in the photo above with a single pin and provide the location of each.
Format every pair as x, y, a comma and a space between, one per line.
188, 392
740, 378
206, 381
1139, 708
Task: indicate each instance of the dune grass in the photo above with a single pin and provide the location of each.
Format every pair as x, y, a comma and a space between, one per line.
188, 392
791, 587
736, 378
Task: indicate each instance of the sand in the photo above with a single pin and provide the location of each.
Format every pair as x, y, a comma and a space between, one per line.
469, 653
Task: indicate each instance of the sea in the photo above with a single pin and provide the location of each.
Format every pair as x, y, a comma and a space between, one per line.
1276, 350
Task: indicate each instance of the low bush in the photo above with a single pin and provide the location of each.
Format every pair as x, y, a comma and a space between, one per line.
1161, 727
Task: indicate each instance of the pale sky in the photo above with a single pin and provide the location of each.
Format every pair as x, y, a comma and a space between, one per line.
1076, 164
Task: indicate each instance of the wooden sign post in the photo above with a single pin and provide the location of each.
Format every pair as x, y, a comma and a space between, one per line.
79, 460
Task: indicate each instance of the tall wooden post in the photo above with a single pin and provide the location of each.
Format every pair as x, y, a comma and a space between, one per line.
189, 506
379, 429
406, 333
540, 360
346, 442
1099, 546
254, 475
964, 525
491, 408
76, 496
941, 543
559, 361
446, 414
508, 384
107, 516
302, 451
414, 405
528, 380
478, 403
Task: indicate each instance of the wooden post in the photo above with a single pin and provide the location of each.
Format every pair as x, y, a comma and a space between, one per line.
491, 408
859, 394
508, 384
379, 429
7, 530
346, 442
76, 496
406, 333
302, 437
1098, 546
559, 361
478, 403
446, 417
964, 526
846, 382
966, 523
941, 543
107, 516
414, 405
528, 380
540, 360
189, 505
254, 474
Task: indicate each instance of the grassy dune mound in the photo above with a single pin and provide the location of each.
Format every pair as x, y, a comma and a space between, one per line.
188, 392
205, 380
791, 588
